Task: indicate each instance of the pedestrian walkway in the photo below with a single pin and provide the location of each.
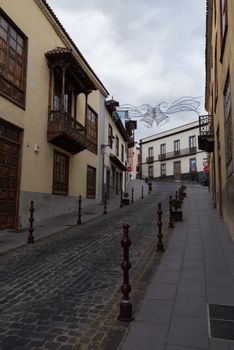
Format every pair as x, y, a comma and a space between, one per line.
11, 239
189, 304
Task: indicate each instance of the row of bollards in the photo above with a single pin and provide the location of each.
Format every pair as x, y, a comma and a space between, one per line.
125, 314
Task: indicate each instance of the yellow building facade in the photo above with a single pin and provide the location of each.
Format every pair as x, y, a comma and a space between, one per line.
52, 108
218, 131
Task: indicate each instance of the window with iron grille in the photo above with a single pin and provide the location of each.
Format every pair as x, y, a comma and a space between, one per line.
60, 173
163, 169
13, 53
91, 182
228, 126
117, 146
91, 130
151, 172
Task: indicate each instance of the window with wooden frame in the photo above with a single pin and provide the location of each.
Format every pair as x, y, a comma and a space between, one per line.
110, 135
192, 142
163, 148
163, 169
151, 172
228, 126
92, 130
122, 153
117, 146
176, 145
13, 60
91, 182
223, 23
60, 173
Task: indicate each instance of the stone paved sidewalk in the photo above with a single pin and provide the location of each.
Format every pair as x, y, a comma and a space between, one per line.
195, 273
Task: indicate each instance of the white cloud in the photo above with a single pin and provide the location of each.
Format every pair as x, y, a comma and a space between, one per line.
144, 51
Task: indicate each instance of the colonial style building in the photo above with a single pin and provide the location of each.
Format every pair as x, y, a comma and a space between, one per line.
173, 154
52, 118
217, 130
114, 151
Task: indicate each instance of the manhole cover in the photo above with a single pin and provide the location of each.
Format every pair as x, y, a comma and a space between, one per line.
221, 319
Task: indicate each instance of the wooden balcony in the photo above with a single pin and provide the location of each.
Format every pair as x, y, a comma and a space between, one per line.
206, 137
177, 154
66, 132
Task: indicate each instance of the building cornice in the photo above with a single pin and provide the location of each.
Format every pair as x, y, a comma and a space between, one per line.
69, 43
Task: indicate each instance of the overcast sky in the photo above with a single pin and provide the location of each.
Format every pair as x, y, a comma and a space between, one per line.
143, 51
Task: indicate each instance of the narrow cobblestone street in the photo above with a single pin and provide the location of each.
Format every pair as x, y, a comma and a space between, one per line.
64, 291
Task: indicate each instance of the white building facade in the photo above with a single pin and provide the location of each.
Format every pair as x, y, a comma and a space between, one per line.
173, 154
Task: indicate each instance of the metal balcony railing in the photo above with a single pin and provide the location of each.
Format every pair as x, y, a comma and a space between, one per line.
179, 153
150, 159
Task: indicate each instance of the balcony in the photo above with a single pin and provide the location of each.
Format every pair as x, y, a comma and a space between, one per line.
66, 132
206, 137
177, 154
150, 159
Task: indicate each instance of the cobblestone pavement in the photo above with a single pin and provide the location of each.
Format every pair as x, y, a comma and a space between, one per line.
64, 291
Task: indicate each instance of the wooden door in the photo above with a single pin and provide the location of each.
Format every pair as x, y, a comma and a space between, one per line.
9, 183
177, 171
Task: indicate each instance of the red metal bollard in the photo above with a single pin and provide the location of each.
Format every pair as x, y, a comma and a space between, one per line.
160, 247
171, 222
132, 194
125, 305
142, 192
79, 211
31, 220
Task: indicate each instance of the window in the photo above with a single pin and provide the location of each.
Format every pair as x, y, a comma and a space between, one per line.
150, 152
122, 153
91, 130
192, 143
223, 12
177, 146
91, 182
151, 172
163, 148
13, 53
110, 135
58, 82
228, 126
163, 169
192, 165
117, 146
60, 173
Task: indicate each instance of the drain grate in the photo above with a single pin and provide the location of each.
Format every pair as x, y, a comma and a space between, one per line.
221, 319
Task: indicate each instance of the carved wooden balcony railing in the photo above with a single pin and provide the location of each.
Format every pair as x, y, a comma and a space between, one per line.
150, 159
206, 137
66, 132
176, 154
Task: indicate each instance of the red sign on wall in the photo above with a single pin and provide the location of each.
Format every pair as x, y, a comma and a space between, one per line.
206, 169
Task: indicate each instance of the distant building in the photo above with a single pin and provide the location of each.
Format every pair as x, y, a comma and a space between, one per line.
173, 154
217, 128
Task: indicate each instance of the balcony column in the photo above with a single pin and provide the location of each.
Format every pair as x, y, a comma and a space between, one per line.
63, 87
51, 74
